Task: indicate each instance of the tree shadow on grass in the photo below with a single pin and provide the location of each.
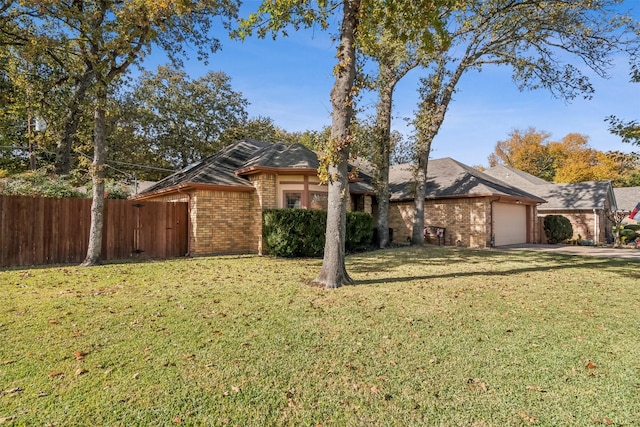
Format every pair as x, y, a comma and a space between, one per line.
502, 264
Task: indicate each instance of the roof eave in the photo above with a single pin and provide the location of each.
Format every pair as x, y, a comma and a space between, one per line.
253, 170
192, 186
501, 197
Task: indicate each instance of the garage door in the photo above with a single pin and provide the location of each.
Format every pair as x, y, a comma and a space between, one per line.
509, 224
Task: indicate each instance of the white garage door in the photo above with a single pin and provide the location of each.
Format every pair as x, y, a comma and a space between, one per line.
509, 224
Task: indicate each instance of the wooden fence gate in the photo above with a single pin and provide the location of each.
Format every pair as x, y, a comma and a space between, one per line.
41, 230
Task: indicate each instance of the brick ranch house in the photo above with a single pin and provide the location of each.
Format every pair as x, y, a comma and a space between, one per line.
228, 191
474, 209
585, 204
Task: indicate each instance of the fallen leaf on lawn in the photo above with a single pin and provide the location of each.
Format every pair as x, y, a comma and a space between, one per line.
393, 362
14, 390
54, 321
7, 362
135, 375
375, 389
590, 365
79, 355
80, 371
53, 374
536, 388
607, 421
476, 383
235, 389
527, 417
177, 420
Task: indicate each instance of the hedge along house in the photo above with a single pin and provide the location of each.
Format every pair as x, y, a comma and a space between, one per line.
469, 208
585, 204
228, 191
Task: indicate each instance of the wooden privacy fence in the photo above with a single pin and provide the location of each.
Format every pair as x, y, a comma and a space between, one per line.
41, 230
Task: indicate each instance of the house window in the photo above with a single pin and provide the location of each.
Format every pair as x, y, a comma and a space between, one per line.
319, 201
293, 200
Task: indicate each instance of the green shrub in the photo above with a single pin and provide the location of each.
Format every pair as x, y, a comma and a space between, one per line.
301, 233
359, 231
557, 228
37, 183
634, 227
112, 190
627, 235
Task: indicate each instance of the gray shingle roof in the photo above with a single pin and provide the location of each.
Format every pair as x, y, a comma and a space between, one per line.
282, 156
627, 197
449, 178
218, 169
229, 166
514, 177
578, 196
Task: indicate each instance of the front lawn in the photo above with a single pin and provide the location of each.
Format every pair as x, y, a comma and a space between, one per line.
433, 336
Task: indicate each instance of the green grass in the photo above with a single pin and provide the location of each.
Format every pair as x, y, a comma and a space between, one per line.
434, 336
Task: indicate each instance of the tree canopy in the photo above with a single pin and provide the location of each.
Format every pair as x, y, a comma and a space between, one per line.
173, 119
93, 43
569, 160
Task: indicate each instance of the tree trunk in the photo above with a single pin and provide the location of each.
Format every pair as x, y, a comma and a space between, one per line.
333, 273
436, 96
383, 151
417, 233
70, 124
98, 173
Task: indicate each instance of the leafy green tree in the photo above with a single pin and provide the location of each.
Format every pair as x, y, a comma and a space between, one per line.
398, 39
178, 120
361, 23
106, 37
264, 129
627, 168
540, 42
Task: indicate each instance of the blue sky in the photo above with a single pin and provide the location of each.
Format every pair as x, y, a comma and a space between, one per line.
290, 79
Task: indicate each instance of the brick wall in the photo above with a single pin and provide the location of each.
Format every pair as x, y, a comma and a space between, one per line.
466, 220
584, 223
265, 197
220, 223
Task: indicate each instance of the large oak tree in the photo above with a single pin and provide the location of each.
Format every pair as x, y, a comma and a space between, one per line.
554, 45
398, 39
105, 38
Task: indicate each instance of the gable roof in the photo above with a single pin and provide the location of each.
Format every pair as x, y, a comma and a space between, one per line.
217, 169
579, 195
572, 196
281, 156
514, 176
448, 178
230, 166
627, 197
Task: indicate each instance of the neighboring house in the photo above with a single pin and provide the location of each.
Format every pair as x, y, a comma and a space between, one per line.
585, 204
474, 209
627, 198
228, 191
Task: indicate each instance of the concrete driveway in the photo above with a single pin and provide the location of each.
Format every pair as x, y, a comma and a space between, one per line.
599, 251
